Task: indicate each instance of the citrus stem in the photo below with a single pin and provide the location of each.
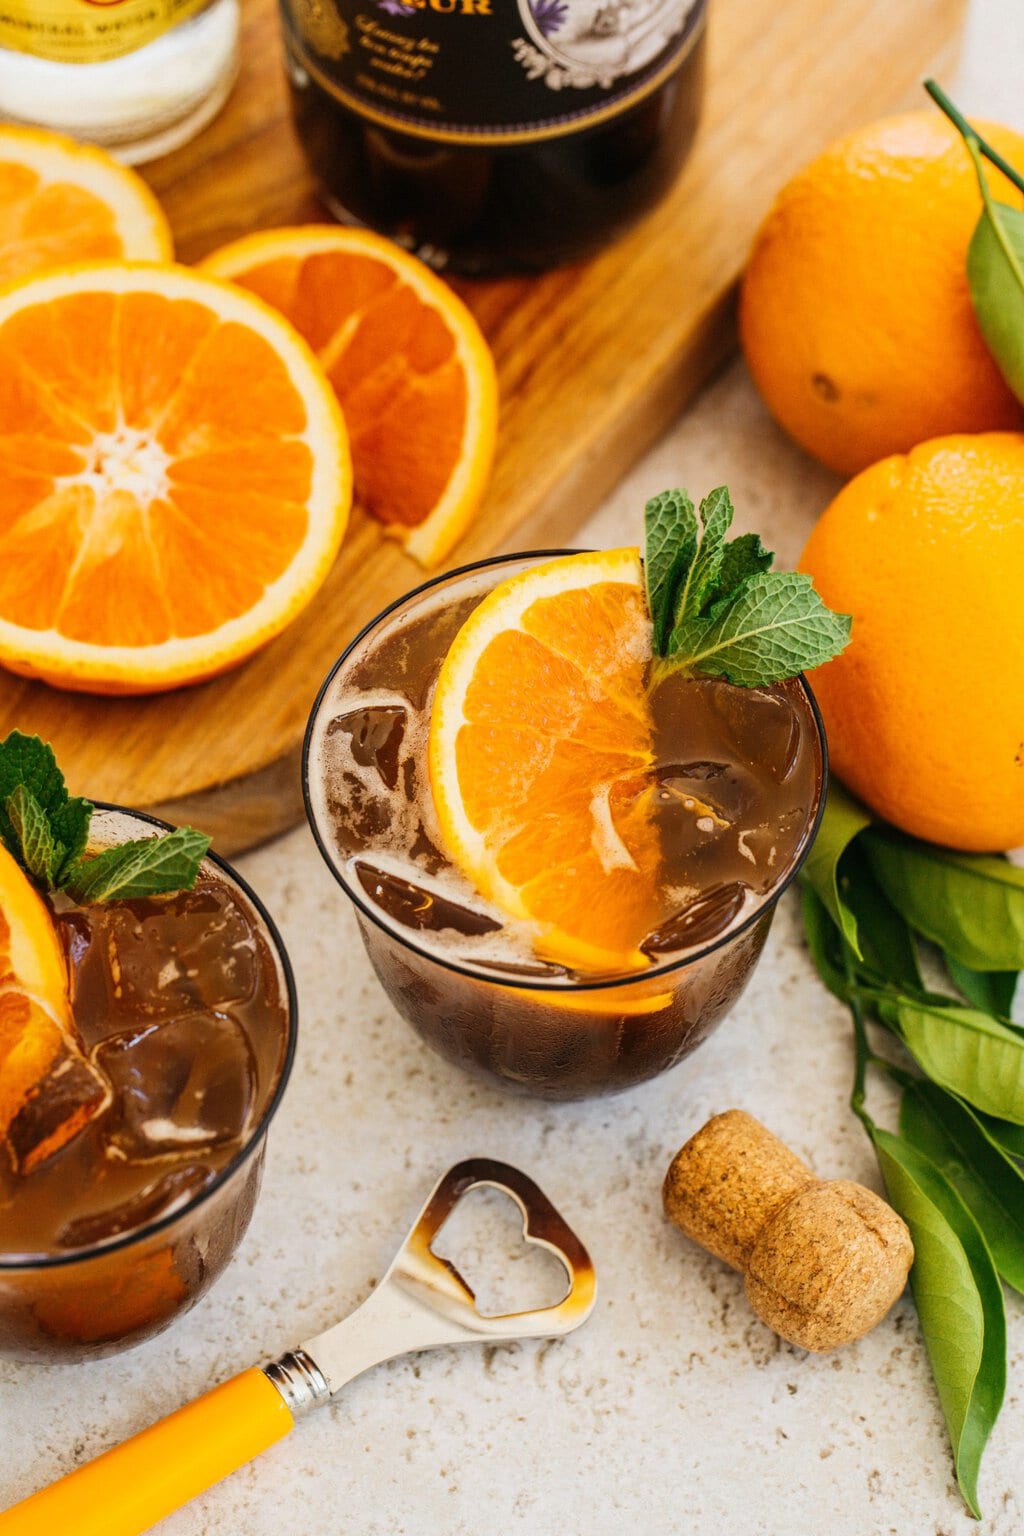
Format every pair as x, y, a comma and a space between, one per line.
958, 120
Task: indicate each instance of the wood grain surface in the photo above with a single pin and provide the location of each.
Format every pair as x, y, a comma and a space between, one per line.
593, 360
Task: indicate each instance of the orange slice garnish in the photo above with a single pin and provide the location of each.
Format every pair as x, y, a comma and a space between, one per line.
64, 202
174, 476
539, 755
413, 374
48, 1090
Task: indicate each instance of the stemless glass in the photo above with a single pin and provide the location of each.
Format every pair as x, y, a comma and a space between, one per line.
558, 1037
96, 1300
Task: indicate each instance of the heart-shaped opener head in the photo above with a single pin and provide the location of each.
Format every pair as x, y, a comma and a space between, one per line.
439, 1285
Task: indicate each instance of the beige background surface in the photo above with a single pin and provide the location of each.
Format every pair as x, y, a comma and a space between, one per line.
673, 1410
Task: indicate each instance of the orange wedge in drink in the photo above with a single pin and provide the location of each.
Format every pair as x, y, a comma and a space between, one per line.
539, 756
64, 202
48, 1090
414, 376
174, 476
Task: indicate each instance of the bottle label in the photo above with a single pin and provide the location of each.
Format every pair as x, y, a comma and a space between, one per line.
88, 31
490, 71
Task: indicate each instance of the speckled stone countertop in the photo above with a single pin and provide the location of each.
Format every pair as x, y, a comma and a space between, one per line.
673, 1410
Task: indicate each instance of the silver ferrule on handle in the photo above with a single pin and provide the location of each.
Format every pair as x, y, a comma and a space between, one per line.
300, 1382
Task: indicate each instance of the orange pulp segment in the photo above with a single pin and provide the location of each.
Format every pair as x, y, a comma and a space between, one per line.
540, 753
48, 1090
174, 476
411, 370
64, 202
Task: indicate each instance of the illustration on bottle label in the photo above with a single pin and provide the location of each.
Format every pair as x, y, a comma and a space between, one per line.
583, 43
490, 71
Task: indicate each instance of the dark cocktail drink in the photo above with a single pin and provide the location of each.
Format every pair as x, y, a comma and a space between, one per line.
131, 1170
705, 831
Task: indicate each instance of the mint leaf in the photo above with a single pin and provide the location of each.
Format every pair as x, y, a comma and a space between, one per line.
716, 519
47, 830
149, 866
35, 805
28, 761
70, 828
715, 606
742, 558
37, 851
670, 543
776, 627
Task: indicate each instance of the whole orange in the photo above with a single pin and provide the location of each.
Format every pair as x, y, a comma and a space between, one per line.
855, 316
924, 710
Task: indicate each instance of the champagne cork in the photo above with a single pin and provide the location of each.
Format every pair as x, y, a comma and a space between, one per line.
823, 1261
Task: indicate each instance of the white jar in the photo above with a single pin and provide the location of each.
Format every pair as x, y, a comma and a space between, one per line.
137, 76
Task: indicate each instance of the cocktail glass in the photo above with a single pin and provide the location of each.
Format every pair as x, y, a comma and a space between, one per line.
87, 1301
517, 1024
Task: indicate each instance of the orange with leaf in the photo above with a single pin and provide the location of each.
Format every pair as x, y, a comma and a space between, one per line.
855, 315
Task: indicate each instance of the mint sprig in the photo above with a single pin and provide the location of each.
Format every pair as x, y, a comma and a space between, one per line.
47, 831
718, 610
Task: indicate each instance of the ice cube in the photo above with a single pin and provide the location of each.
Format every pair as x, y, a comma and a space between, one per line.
700, 921
525, 970
699, 804
163, 957
415, 905
374, 735
180, 1085
763, 728
159, 1197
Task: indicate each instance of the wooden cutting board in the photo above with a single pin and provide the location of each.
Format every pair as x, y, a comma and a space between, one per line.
594, 362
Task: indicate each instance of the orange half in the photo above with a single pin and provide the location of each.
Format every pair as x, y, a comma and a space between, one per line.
64, 202
174, 477
540, 753
411, 370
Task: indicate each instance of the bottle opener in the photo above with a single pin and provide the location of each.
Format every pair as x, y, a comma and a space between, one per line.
421, 1303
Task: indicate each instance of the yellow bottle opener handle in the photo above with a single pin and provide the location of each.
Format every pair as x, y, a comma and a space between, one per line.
129, 1488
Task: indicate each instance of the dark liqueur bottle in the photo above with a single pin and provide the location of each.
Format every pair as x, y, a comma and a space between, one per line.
495, 135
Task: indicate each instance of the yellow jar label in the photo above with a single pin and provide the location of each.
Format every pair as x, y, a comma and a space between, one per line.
88, 31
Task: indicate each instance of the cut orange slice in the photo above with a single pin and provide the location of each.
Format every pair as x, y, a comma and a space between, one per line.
539, 755
48, 1090
174, 477
414, 376
64, 202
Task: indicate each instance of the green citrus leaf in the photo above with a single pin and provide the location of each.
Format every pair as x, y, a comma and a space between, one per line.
983, 1174
823, 942
991, 991
970, 904
968, 1053
886, 940
843, 820
958, 1298
995, 276
1009, 1137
